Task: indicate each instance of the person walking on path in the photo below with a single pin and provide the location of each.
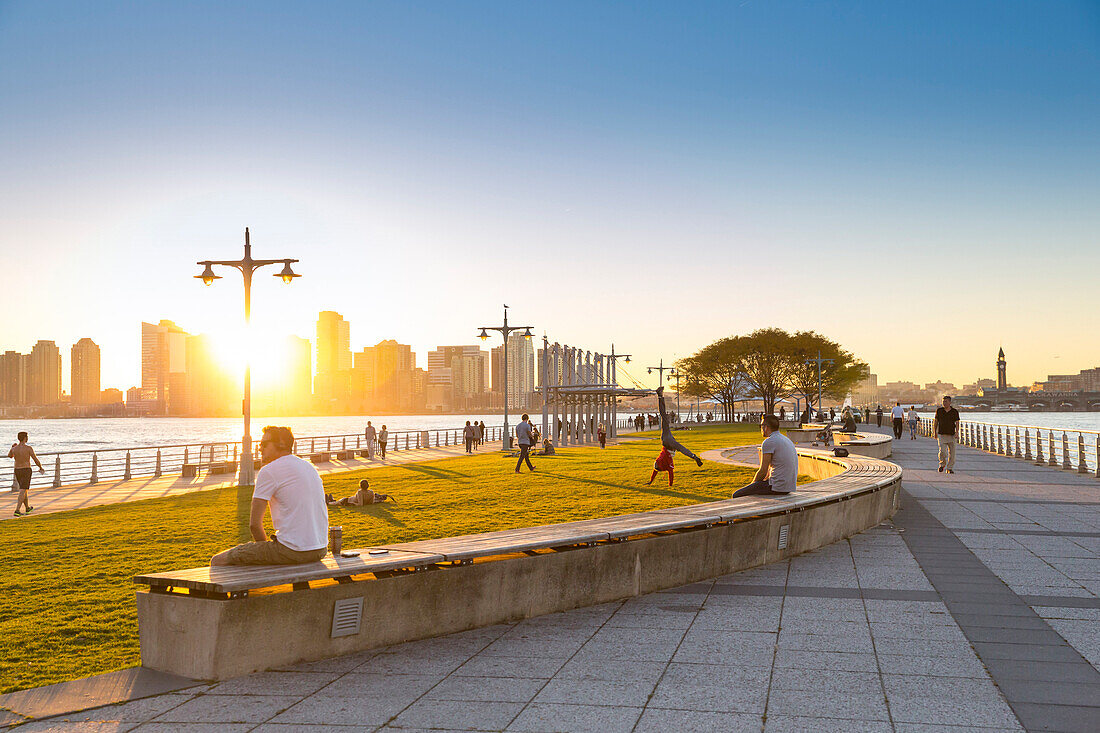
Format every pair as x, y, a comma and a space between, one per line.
867, 415
946, 426
371, 435
778, 472
897, 412
383, 438
293, 489
480, 432
878, 415
602, 435
523, 436
469, 435
666, 431
23, 455
914, 420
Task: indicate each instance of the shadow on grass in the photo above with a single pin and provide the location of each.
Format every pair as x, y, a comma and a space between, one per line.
642, 489
434, 472
378, 511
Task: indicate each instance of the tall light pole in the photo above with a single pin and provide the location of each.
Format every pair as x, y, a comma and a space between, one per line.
676, 375
505, 330
819, 361
660, 372
615, 383
247, 266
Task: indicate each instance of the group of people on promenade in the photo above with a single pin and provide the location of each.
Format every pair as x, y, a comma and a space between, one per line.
473, 435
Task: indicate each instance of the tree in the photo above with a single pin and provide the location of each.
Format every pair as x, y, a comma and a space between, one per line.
767, 358
840, 370
715, 372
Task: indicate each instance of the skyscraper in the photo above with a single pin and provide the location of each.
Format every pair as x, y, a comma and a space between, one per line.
521, 371
44, 374
384, 376
205, 388
163, 353
84, 372
13, 378
333, 356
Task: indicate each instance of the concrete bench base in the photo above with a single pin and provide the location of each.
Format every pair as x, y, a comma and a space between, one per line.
217, 639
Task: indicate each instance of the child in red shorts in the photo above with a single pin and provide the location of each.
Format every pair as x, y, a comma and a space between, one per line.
663, 463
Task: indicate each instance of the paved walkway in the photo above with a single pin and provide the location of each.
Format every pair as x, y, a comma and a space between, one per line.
975, 610
81, 496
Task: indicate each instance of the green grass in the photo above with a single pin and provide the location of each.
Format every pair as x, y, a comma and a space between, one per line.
66, 596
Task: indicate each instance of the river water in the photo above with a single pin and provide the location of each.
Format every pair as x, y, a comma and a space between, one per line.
48, 436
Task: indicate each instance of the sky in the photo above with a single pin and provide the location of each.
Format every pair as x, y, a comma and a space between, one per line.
918, 181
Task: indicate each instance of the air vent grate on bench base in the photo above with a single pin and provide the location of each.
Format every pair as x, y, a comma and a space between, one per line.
346, 617
784, 536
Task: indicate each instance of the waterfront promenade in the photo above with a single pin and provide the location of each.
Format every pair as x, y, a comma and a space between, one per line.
976, 609
47, 500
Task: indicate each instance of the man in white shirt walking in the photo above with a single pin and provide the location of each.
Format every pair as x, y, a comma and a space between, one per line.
898, 414
294, 490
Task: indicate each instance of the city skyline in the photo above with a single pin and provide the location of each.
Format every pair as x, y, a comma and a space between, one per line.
713, 168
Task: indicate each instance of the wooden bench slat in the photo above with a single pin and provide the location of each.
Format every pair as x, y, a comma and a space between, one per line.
235, 578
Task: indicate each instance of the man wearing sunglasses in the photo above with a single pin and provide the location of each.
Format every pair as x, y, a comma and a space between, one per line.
294, 491
778, 472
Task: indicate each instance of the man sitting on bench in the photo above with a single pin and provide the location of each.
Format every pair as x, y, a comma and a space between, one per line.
778, 472
298, 511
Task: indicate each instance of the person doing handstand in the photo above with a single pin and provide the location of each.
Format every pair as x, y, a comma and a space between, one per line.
663, 463
670, 444
361, 498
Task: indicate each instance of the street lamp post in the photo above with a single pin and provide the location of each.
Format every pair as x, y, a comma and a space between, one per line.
819, 361
676, 375
505, 330
247, 266
614, 384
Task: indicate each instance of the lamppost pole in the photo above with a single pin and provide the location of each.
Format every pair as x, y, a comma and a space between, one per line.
247, 266
614, 385
819, 361
676, 375
504, 331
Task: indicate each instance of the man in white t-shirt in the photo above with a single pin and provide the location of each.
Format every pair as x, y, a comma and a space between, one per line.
897, 412
778, 472
293, 489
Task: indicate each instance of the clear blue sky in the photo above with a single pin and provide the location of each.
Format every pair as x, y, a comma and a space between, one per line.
658, 174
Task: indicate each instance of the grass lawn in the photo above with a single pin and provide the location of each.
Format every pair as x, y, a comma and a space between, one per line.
66, 595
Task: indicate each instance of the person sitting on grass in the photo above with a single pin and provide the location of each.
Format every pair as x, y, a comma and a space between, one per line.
361, 498
294, 490
663, 463
778, 471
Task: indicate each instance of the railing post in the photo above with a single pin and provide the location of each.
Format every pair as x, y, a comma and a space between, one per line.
157, 471
1000, 442
234, 452
185, 455
357, 439
328, 445
1052, 452
1018, 454
1065, 452
126, 475
344, 444
406, 441
1096, 455
1027, 445
57, 471
95, 468
1039, 460
312, 445
1082, 465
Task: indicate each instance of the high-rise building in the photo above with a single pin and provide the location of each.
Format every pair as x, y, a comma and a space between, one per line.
84, 372
521, 371
163, 353
44, 374
333, 357
383, 376
293, 393
134, 395
111, 396
205, 387
457, 375
13, 379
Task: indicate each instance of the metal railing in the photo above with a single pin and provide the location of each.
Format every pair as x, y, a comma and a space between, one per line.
196, 459
1070, 450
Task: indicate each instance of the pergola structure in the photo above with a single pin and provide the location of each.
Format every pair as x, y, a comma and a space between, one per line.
580, 390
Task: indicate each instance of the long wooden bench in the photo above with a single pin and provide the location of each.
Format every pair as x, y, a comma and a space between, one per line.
213, 623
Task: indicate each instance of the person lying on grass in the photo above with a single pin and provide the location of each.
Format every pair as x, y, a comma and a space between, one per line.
663, 463
362, 497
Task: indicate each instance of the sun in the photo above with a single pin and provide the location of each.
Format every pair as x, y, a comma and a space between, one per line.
266, 347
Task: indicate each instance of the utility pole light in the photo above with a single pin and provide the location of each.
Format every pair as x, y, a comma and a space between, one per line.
819, 361
504, 331
614, 385
247, 474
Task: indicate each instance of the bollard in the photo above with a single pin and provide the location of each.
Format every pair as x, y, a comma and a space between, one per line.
57, 471
1065, 452
126, 475
1027, 445
1039, 461
1082, 466
1052, 452
157, 471
1018, 455
95, 469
